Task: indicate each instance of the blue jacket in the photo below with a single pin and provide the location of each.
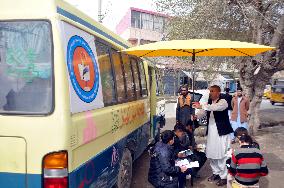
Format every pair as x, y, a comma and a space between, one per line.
162, 172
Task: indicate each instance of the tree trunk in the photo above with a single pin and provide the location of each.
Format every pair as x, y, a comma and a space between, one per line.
269, 64
255, 101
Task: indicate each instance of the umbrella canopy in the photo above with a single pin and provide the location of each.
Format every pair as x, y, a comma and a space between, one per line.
197, 47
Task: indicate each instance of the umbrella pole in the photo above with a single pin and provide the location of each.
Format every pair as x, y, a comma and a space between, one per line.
193, 80
193, 73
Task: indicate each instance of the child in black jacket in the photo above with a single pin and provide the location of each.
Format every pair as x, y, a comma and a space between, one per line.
162, 172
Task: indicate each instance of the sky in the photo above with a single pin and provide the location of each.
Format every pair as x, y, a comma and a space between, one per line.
114, 9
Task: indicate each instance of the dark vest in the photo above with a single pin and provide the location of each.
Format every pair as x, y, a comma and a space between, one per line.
222, 120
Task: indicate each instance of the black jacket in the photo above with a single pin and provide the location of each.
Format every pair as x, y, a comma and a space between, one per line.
162, 172
222, 120
228, 98
189, 140
178, 146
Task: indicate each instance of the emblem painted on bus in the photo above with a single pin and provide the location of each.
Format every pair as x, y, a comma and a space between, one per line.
83, 69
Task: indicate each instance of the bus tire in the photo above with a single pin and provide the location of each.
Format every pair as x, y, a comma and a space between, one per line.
125, 170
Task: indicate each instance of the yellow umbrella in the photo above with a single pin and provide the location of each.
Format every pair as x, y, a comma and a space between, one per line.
197, 47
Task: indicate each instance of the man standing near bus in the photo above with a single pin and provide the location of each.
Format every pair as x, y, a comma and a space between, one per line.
218, 133
184, 109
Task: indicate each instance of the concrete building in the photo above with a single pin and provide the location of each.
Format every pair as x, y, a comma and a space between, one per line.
141, 26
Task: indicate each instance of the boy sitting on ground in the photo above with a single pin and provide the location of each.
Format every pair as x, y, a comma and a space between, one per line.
162, 172
179, 131
189, 142
238, 133
247, 164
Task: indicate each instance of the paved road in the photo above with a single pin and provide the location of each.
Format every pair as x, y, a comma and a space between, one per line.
265, 104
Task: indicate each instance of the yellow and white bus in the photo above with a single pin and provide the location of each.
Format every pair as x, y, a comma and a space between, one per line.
74, 111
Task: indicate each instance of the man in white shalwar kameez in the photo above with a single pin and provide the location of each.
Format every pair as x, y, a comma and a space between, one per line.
218, 134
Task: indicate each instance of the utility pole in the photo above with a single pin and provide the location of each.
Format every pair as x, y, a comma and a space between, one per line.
100, 16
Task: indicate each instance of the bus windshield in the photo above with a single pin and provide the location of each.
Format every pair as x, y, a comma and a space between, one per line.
26, 67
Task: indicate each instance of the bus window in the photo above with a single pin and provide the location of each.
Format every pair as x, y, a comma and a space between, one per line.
107, 78
142, 79
278, 90
278, 81
157, 84
129, 78
150, 73
136, 77
26, 67
119, 76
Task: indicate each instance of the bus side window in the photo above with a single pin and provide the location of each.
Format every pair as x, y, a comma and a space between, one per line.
128, 77
159, 89
136, 77
142, 79
119, 76
107, 78
150, 78
157, 84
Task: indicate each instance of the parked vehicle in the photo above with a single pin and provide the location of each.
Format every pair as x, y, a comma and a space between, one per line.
277, 94
74, 110
267, 91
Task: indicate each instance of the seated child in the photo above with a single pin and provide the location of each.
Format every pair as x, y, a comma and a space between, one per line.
162, 171
247, 164
189, 143
179, 132
237, 134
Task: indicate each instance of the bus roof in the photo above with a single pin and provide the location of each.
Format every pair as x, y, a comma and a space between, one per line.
42, 9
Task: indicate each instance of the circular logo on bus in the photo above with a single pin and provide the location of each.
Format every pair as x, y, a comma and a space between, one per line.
83, 69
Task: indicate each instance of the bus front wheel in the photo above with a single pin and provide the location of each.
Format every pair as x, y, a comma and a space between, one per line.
125, 170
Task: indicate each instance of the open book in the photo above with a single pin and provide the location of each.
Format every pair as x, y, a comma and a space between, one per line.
185, 162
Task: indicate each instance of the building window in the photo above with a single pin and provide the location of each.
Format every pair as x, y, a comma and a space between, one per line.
158, 24
147, 21
107, 78
135, 19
